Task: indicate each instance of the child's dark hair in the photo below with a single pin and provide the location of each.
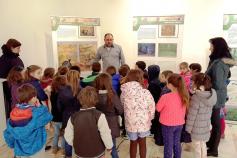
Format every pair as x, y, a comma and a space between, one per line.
177, 81
30, 69
167, 73
111, 70
15, 76
25, 93
88, 97
141, 65
196, 67
96, 67
123, 70
58, 81
104, 82
49, 72
75, 67
135, 75
201, 79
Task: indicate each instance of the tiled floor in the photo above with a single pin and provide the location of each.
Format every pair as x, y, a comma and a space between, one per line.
227, 148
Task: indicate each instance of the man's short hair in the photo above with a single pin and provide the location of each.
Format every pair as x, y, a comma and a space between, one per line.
107, 34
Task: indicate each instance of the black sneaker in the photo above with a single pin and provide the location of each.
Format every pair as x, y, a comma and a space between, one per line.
211, 153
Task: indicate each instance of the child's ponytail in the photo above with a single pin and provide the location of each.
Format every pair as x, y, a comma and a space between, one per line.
177, 81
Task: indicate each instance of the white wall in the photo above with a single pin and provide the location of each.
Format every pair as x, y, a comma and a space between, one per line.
29, 22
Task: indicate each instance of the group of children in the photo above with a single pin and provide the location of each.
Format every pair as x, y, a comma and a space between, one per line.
85, 111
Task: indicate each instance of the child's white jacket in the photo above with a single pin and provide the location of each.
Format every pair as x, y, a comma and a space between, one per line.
139, 107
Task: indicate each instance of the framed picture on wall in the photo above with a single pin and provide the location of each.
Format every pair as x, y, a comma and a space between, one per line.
167, 50
146, 49
87, 52
168, 30
146, 33
68, 51
87, 31
67, 32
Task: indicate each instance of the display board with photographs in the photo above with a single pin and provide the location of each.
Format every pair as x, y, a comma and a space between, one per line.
159, 36
76, 40
230, 32
79, 53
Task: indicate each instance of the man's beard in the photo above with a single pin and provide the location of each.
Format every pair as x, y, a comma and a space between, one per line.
109, 45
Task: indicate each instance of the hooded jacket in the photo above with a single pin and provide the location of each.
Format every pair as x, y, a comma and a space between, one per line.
29, 139
139, 107
8, 60
153, 81
218, 70
199, 114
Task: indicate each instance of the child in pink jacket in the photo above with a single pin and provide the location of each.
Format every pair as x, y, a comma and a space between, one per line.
186, 74
139, 110
172, 107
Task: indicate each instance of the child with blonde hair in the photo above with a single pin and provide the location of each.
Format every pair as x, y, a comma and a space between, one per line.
186, 74
33, 76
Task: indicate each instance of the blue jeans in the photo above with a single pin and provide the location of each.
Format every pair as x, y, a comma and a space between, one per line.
57, 126
171, 138
114, 152
68, 149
